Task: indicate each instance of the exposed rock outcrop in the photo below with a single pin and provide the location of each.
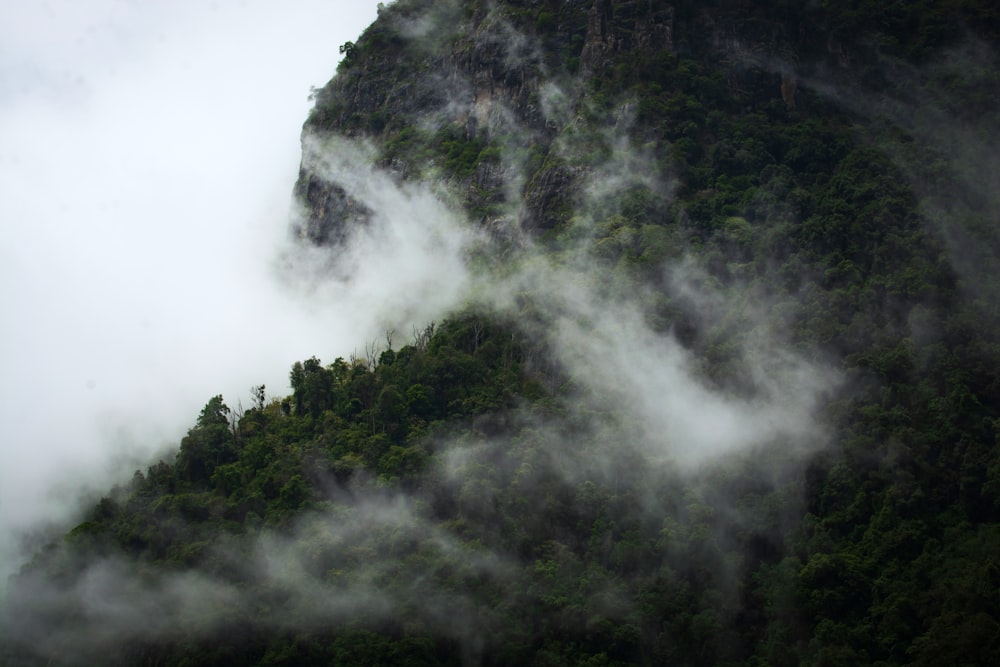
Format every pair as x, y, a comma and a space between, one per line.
487, 71
327, 211
616, 27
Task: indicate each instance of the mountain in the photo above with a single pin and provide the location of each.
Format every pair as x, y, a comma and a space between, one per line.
713, 376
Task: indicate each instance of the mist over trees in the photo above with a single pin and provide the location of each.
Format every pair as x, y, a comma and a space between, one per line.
693, 360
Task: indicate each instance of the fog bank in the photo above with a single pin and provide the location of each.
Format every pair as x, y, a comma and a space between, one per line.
147, 157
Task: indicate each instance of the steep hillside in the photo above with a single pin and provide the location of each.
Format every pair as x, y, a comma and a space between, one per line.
717, 381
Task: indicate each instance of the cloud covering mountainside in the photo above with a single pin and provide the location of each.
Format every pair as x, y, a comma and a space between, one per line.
650, 333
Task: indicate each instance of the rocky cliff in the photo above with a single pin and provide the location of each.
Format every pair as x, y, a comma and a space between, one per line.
718, 387
518, 75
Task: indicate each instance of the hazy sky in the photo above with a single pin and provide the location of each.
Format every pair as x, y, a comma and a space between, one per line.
147, 156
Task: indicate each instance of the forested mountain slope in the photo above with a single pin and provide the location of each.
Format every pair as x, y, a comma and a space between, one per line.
717, 381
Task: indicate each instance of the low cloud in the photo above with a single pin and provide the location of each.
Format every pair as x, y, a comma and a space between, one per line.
362, 567
404, 266
632, 392
149, 154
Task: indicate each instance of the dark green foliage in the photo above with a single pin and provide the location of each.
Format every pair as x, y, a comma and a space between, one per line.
460, 154
859, 229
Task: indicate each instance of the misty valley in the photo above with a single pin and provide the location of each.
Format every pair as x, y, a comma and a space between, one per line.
691, 356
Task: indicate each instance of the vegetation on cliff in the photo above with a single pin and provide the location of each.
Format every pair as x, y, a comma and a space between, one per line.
724, 390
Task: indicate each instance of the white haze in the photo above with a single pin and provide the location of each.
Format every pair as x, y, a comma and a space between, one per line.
406, 264
599, 326
114, 601
141, 281
147, 156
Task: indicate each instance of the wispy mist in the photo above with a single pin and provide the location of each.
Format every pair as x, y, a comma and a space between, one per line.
330, 568
219, 300
405, 265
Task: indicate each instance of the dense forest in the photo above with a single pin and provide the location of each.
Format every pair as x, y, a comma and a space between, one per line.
722, 386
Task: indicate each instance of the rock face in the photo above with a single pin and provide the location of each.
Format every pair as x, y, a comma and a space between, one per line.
737, 403
620, 27
515, 76
485, 94
328, 211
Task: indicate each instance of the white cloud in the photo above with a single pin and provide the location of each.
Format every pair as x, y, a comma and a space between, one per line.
143, 219
407, 264
147, 157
